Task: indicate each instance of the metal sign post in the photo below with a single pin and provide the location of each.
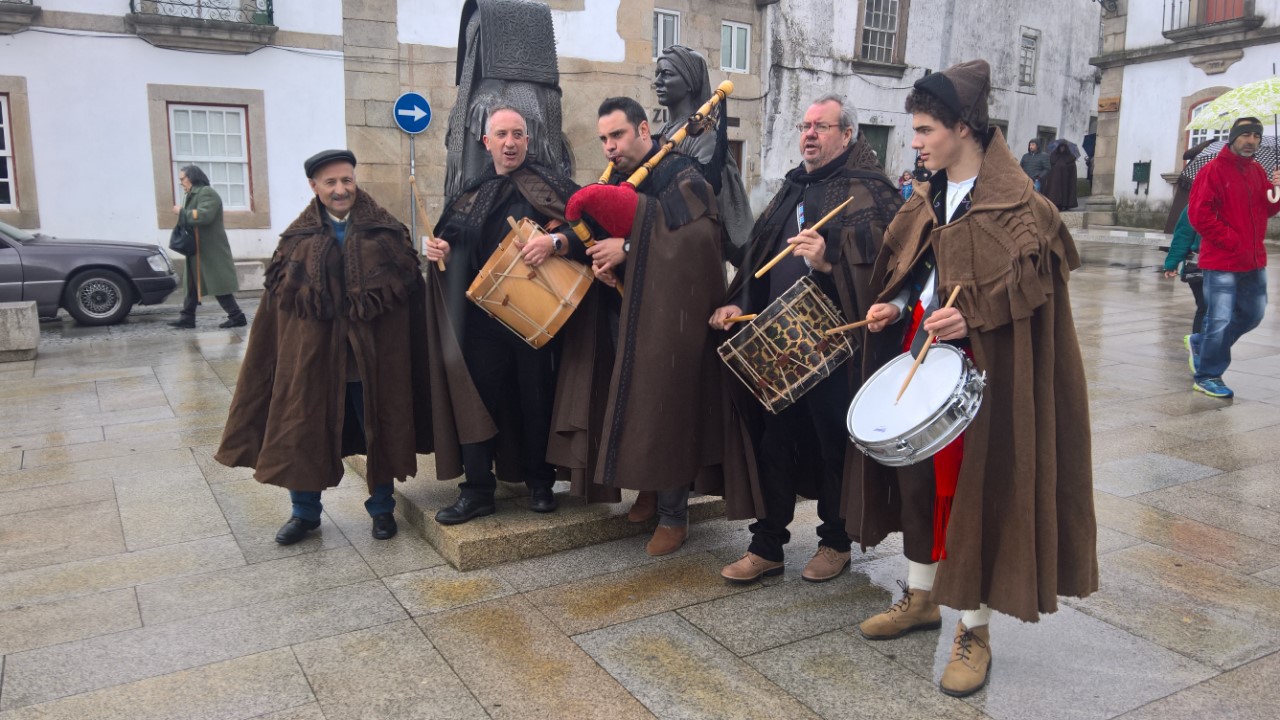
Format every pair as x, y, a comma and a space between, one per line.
412, 114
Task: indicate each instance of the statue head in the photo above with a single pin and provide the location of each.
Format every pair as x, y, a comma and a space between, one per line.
681, 78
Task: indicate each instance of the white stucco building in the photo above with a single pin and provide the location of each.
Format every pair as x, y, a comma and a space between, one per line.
1163, 60
873, 50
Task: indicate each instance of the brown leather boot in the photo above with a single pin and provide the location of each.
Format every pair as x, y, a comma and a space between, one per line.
911, 613
645, 507
970, 665
825, 564
749, 568
667, 539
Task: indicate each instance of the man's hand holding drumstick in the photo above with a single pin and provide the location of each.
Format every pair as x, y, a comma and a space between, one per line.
947, 323
437, 249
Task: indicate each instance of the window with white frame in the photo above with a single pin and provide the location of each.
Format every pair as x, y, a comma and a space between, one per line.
1028, 58
666, 30
880, 30
735, 43
8, 197
213, 138
1195, 137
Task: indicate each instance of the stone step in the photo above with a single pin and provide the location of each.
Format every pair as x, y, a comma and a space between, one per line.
514, 532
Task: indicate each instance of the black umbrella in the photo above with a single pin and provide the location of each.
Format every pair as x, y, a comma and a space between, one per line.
1075, 151
1267, 155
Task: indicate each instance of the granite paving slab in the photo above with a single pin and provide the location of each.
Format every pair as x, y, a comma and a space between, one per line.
10, 460
783, 613
578, 563
310, 711
1239, 416
95, 469
1249, 692
59, 535
46, 674
193, 596
166, 507
1218, 617
56, 582
518, 665
390, 672
166, 425
1234, 452
238, 689
1184, 535
1136, 474
1258, 486
1110, 540
679, 672
839, 677
63, 422
215, 472
36, 441
605, 600
1242, 518
256, 511
56, 496
35, 626
406, 552
442, 588
1124, 443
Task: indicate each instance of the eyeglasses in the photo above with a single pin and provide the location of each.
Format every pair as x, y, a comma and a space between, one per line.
820, 128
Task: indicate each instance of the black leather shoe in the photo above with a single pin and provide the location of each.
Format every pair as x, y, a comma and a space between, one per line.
542, 500
464, 509
183, 323
384, 526
294, 530
240, 321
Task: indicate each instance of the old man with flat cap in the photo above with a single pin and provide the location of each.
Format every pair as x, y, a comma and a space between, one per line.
336, 362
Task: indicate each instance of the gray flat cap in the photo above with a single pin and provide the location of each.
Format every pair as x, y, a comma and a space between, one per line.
324, 157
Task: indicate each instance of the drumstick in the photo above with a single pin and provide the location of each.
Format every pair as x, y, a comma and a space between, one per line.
791, 248
924, 350
850, 326
422, 217
524, 238
739, 318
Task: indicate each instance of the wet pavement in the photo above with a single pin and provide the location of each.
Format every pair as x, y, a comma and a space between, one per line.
139, 579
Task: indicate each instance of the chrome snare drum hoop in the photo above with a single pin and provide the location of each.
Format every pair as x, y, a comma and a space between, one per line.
941, 401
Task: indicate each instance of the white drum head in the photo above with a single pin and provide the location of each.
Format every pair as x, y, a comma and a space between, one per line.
875, 417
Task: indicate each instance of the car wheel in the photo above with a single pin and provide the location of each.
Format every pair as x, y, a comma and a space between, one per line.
98, 297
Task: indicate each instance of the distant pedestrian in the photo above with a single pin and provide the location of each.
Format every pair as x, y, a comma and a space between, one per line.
1183, 261
211, 271
1035, 164
1229, 207
337, 361
1182, 191
1060, 182
904, 184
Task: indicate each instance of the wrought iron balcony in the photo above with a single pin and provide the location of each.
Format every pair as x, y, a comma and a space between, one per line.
16, 15
252, 12
1189, 19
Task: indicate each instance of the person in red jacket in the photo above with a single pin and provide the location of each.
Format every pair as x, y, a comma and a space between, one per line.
1229, 208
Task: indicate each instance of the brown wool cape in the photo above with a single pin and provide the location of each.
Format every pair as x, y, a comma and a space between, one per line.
1022, 530
459, 413
325, 308
651, 419
853, 241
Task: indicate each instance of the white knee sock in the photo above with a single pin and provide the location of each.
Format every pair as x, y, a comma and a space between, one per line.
920, 576
976, 618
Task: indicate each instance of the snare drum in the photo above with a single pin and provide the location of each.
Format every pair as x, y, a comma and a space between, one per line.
784, 351
534, 303
939, 404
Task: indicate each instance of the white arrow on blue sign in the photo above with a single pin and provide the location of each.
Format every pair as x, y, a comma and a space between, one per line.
412, 113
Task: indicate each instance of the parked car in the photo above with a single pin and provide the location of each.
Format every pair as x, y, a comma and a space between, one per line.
97, 282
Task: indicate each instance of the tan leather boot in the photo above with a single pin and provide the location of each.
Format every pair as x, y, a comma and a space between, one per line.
749, 568
644, 508
911, 613
825, 564
970, 664
667, 539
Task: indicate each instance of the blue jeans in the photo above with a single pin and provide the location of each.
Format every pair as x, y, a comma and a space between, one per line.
306, 503
1235, 302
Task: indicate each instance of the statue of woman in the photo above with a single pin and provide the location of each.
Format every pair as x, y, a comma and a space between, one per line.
683, 85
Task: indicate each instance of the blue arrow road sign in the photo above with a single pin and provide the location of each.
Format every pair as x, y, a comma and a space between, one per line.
412, 113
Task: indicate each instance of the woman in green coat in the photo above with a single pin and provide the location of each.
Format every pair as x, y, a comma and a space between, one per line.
211, 271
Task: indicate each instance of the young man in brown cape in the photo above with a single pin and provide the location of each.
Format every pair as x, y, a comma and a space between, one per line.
1008, 507
336, 361
805, 449
651, 421
496, 359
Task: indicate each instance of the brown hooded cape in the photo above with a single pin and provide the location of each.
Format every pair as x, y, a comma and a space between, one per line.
326, 307
1022, 529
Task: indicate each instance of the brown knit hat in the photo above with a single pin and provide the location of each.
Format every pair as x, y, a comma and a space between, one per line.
963, 88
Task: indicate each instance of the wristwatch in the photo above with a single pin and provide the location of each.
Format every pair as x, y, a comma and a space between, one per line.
626, 246
556, 243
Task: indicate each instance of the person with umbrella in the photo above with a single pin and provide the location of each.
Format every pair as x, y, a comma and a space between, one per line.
1060, 181
1230, 203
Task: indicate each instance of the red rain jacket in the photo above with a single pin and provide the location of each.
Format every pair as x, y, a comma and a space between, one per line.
1229, 209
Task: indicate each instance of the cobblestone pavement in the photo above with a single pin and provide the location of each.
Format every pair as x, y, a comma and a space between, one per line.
139, 579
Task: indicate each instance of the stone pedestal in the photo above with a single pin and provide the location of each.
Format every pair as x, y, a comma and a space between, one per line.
19, 331
1100, 211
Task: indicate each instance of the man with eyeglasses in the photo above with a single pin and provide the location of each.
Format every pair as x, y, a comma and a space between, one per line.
804, 449
497, 360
